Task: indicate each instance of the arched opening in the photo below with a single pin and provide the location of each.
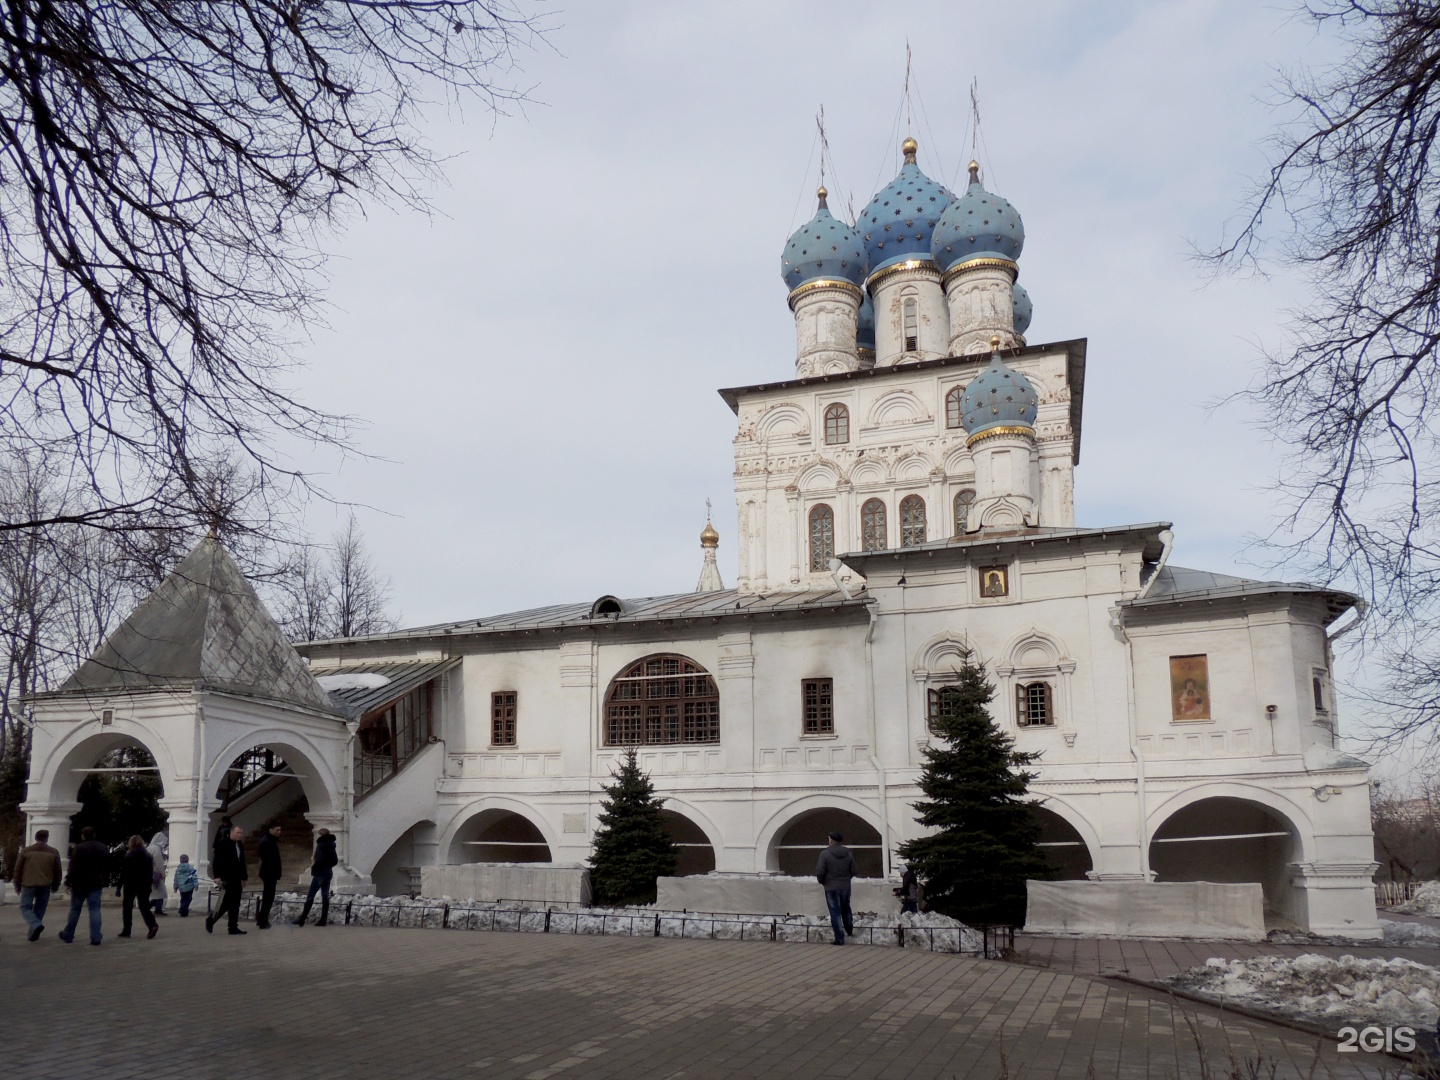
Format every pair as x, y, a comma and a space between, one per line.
872, 525
267, 785
499, 836
1063, 846
798, 845
1226, 839
822, 537
119, 794
661, 701
697, 855
837, 425
912, 521
397, 873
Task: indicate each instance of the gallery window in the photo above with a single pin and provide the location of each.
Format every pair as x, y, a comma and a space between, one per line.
662, 700
502, 718
941, 704
952, 408
818, 696
1034, 705
872, 525
964, 503
837, 425
912, 521
822, 537
912, 324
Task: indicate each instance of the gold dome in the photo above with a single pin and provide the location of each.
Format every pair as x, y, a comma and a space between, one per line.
709, 538
910, 148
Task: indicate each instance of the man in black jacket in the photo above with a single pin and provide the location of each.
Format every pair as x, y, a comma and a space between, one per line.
88, 872
228, 865
321, 871
834, 869
269, 874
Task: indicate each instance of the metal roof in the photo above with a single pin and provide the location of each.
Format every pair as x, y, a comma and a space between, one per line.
992, 540
404, 677
1180, 585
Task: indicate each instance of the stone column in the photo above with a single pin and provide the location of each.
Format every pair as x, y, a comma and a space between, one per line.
797, 540
52, 816
1004, 480
826, 317
981, 298
891, 286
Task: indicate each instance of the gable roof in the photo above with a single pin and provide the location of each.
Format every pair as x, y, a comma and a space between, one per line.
202, 628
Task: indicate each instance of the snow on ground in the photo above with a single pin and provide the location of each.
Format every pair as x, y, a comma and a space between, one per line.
927, 931
1426, 902
1410, 933
353, 680
1331, 990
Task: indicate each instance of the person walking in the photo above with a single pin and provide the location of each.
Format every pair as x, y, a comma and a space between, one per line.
834, 869
229, 866
37, 875
321, 872
186, 882
269, 875
88, 872
136, 877
159, 849
910, 891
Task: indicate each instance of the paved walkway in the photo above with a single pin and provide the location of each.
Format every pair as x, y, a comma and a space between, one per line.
352, 1002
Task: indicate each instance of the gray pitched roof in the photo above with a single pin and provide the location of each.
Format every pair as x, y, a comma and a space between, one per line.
1179, 584
202, 627
401, 678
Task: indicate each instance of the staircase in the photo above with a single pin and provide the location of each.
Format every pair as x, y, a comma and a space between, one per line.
297, 841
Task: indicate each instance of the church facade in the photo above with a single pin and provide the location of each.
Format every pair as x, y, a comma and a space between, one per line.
905, 500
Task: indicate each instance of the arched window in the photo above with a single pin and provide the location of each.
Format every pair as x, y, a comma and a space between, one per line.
1034, 705
952, 407
662, 700
912, 521
872, 525
837, 425
912, 324
822, 537
964, 502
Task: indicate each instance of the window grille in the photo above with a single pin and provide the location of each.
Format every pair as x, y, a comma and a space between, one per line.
502, 718
912, 324
1033, 705
964, 502
872, 525
952, 408
912, 521
942, 703
660, 701
837, 425
390, 736
822, 538
819, 712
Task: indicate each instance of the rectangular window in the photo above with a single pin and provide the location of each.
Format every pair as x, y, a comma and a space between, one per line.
502, 718
819, 712
941, 705
1032, 705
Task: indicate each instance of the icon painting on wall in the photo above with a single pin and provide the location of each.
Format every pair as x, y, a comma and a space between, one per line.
994, 581
1189, 687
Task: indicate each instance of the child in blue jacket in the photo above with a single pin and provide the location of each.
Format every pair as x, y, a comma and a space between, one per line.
186, 882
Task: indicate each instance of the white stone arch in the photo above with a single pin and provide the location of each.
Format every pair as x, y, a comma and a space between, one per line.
1286, 808
56, 780
783, 420
701, 820
782, 818
818, 476
867, 471
941, 656
913, 468
309, 760
1068, 812
896, 407
960, 465
476, 807
1037, 655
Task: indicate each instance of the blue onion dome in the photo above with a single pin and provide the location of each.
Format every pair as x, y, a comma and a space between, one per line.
998, 397
824, 248
978, 225
898, 222
1023, 309
865, 327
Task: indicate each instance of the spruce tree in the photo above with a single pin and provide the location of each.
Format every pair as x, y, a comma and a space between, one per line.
975, 863
631, 847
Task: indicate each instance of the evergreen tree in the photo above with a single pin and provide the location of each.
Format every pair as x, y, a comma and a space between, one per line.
631, 847
975, 864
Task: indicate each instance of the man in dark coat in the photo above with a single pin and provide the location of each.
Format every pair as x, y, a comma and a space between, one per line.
269, 874
137, 875
229, 866
834, 870
89, 871
321, 871
37, 875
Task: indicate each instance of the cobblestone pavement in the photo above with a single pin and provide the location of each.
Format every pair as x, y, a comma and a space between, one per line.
358, 1002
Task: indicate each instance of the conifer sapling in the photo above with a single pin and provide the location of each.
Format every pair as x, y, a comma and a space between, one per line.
631, 847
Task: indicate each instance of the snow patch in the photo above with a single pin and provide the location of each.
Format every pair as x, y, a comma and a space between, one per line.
353, 680
1410, 933
1331, 990
1426, 901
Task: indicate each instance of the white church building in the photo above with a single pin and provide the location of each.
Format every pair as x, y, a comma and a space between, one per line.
905, 497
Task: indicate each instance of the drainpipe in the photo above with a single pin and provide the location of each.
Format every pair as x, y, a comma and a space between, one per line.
201, 829
874, 758
1133, 721
352, 728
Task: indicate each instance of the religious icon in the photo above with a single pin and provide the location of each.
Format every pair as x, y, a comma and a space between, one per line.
994, 581
1189, 688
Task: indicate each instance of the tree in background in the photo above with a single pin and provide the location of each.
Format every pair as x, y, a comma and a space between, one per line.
169, 174
335, 592
1355, 192
631, 847
1407, 832
983, 846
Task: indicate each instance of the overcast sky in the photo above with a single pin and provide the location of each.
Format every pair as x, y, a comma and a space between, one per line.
538, 363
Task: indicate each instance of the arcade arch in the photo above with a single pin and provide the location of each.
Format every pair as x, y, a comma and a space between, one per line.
1063, 845
498, 834
697, 852
798, 843
1227, 838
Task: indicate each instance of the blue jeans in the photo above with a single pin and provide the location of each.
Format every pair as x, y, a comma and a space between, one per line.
318, 883
841, 921
77, 901
34, 899
185, 898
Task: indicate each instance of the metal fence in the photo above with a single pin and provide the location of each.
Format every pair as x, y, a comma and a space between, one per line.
562, 917
1390, 893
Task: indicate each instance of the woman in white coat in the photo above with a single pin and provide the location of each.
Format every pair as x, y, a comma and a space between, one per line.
158, 848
